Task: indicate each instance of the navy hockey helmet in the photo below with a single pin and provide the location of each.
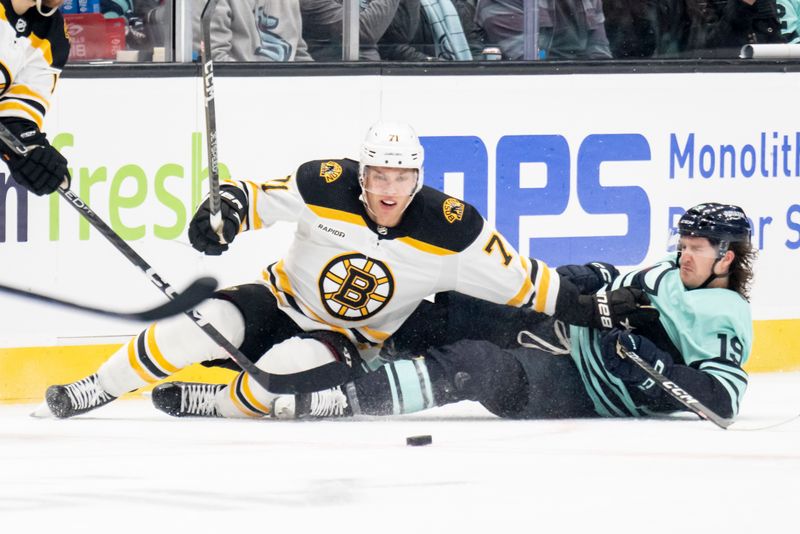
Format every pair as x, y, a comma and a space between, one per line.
719, 222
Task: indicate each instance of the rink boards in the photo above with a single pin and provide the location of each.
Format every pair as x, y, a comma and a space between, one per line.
571, 168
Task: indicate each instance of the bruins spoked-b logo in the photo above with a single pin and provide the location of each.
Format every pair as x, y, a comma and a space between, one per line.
354, 287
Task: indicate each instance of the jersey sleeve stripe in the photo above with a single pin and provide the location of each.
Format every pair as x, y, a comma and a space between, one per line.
18, 109
527, 284
547, 288
253, 218
44, 46
20, 90
732, 393
735, 380
33, 104
730, 368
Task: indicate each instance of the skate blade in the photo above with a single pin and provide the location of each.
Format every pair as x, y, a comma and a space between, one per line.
42, 412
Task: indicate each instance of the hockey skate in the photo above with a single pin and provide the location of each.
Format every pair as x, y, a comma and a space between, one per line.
327, 403
76, 398
187, 399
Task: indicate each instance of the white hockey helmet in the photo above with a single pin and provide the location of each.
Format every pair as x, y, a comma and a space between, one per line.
392, 144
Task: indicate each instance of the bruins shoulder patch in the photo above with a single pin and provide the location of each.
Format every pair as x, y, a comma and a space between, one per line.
453, 210
330, 170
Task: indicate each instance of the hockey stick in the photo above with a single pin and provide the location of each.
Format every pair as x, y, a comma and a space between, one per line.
673, 390
211, 118
197, 292
334, 373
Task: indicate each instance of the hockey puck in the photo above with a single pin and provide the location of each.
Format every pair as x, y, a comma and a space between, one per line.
419, 441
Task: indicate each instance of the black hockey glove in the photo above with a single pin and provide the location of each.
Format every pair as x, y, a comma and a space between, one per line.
627, 307
233, 208
590, 277
42, 169
627, 371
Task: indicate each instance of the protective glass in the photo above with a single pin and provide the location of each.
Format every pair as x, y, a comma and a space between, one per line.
698, 247
392, 182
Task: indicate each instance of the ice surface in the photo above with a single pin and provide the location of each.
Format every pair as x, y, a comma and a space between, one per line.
128, 468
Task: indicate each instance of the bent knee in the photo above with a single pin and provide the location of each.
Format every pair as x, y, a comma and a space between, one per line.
295, 355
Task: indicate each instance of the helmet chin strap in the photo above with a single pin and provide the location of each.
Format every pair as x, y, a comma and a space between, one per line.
713, 276
723, 248
39, 9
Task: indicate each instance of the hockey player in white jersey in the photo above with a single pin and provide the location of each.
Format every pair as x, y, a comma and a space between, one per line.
371, 243
33, 49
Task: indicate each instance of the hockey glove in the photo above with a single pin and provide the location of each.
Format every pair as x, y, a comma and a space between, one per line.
628, 307
590, 277
627, 371
233, 208
42, 169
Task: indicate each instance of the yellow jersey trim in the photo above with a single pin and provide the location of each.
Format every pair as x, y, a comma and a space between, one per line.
34, 115
544, 288
526, 285
425, 247
339, 215
44, 46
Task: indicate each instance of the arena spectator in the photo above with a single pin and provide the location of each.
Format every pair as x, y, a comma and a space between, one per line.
691, 28
568, 29
258, 30
322, 27
425, 30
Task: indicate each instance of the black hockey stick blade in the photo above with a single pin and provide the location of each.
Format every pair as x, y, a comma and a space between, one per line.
673, 390
197, 292
326, 376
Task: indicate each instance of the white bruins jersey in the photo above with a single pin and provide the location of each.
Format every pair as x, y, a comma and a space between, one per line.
33, 50
344, 273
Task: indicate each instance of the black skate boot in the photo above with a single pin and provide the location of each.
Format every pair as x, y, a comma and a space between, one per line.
76, 398
187, 399
328, 403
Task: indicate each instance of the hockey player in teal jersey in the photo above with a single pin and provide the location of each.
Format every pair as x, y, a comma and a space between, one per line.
520, 365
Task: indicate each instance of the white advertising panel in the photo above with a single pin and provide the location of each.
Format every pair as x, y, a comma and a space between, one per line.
570, 168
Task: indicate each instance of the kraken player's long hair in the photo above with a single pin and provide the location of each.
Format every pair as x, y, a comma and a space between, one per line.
741, 272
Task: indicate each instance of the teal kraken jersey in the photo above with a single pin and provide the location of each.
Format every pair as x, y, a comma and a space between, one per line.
707, 330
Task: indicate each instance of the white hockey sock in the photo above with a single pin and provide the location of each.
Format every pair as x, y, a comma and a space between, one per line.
244, 398
168, 346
